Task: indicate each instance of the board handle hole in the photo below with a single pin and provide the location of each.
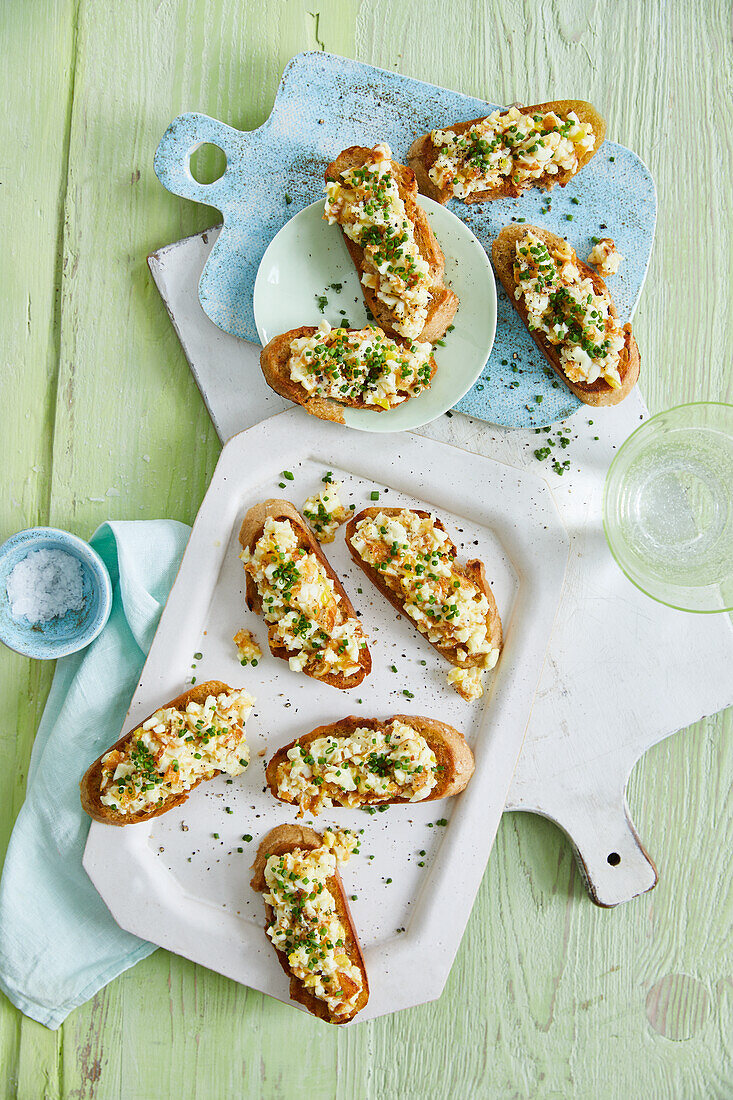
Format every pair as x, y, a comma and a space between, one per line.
207, 163
613, 858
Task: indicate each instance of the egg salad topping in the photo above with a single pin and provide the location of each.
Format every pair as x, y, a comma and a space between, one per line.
416, 560
367, 204
325, 512
509, 147
305, 924
605, 256
300, 604
247, 647
360, 365
564, 305
367, 765
468, 682
173, 749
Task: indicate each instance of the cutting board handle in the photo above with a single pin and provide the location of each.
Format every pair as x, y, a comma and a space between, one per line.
612, 860
184, 136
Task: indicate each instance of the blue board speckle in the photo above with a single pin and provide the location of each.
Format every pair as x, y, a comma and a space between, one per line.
326, 103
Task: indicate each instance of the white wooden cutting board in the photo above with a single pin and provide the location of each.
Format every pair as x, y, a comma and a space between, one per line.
622, 672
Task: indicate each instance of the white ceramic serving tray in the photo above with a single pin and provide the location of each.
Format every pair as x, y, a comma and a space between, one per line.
176, 883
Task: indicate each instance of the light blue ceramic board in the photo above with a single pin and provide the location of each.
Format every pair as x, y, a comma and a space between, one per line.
326, 103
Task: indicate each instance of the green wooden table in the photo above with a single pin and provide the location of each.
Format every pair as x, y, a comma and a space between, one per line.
549, 997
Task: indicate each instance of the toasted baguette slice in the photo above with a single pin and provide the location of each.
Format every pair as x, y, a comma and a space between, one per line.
91, 782
590, 393
286, 838
423, 154
452, 754
443, 303
250, 531
473, 570
275, 359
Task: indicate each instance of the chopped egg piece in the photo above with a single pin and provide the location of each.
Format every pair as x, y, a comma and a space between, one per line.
355, 769
247, 646
325, 512
305, 925
605, 256
415, 558
564, 305
468, 682
510, 148
360, 365
300, 604
367, 204
174, 749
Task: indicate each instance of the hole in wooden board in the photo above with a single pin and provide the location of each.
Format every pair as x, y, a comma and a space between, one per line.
614, 859
208, 163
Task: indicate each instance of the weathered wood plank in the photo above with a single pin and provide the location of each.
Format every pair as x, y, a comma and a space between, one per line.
37, 47
121, 367
549, 996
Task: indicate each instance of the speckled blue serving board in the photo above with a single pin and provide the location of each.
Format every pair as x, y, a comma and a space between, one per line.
326, 103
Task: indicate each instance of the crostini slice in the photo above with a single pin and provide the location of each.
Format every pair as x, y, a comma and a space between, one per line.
157, 765
505, 153
569, 313
400, 263
308, 919
369, 761
408, 555
311, 622
325, 369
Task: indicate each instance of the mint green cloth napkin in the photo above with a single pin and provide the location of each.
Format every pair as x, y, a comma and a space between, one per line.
58, 942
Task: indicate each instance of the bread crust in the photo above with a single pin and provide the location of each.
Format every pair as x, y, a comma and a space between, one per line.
450, 748
90, 784
474, 570
423, 154
250, 531
274, 359
444, 302
590, 393
285, 838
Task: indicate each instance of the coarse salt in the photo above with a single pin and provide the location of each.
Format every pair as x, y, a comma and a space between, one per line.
44, 585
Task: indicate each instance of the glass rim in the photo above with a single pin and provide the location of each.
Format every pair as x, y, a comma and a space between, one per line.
604, 502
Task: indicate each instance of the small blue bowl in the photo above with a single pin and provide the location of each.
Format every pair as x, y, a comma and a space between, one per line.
76, 629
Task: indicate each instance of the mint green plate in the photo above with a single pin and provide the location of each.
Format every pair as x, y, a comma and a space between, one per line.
308, 255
